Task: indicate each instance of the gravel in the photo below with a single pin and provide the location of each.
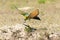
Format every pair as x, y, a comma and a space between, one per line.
18, 32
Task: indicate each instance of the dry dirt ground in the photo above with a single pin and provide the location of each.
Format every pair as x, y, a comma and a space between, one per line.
49, 14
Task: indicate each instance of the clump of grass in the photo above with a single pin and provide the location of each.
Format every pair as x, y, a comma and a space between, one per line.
41, 1
28, 29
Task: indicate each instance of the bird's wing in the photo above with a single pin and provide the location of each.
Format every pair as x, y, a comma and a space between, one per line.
34, 13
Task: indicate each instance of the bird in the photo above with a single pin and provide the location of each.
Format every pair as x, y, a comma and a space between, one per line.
33, 15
